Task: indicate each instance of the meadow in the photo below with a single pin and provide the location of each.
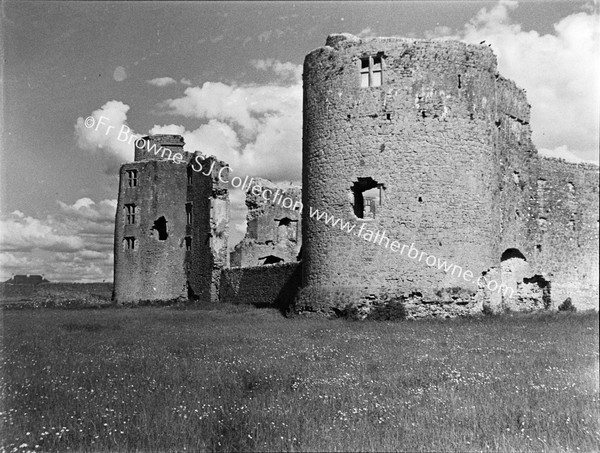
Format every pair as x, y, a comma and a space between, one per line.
236, 378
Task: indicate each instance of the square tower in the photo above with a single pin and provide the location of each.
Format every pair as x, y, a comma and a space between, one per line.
171, 226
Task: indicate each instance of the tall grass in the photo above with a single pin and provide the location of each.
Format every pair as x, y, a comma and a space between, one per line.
158, 379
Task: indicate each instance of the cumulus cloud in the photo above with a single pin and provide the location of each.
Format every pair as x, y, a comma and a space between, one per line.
255, 129
559, 71
562, 152
285, 71
24, 233
162, 81
106, 131
75, 244
87, 209
366, 33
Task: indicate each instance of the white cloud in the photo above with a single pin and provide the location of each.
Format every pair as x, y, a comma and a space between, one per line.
257, 130
73, 245
24, 233
106, 131
366, 33
162, 81
562, 152
559, 71
185, 82
285, 71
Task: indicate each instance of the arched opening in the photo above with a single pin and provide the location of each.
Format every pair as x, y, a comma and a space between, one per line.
512, 253
513, 269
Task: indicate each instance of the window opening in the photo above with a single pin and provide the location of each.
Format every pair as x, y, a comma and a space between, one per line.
160, 225
130, 214
368, 195
371, 71
188, 213
131, 178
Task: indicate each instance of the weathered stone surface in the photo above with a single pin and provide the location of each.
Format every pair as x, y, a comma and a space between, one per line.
274, 225
447, 139
274, 285
176, 218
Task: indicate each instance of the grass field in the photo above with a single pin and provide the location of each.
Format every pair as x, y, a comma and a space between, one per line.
240, 378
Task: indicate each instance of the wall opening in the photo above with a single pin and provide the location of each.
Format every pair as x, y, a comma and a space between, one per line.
368, 196
514, 268
287, 229
188, 243
188, 213
190, 175
271, 259
371, 71
512, 253
129, 243
131, 178
160, 225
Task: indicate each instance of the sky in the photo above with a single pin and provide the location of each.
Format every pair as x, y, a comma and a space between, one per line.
226, 76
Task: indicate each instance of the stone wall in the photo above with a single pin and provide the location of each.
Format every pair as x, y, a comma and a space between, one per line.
427, 135
443, 144
567, 236
171, 225
269, 285
274, 225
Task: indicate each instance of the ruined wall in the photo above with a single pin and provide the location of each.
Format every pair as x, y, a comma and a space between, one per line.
208, 197
269, 285
171, 225
274, 225
566, 241
428, 135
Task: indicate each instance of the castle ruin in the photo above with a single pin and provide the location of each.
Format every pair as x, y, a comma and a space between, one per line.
421, 142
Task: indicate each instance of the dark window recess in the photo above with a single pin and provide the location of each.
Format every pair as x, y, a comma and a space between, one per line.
188, 213
368, 194
129, 243
371, 71
130, 214
188, 243
287, 229
512, 253
190, 177
131, 178
160, 225
271, 259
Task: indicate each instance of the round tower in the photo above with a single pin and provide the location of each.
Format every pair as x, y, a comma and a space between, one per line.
399, 160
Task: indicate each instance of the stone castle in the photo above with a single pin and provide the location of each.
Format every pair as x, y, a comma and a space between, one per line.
421, 140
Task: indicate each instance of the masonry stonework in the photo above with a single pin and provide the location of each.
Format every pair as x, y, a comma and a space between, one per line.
446, 141
273, 232
172, 224
422, 144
